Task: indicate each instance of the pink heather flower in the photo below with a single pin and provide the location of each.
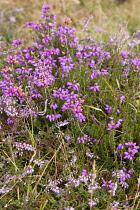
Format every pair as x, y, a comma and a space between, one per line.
11, 59
9, 121
119, 147
112, 124
74, 85
132, 150
108, 184
82, 139
108, 108
69, 208
122, 98
45, 8
100, 29
39, 162
53, 117
12, 19
46, 40
124, 54
15, 43
5, 189
122, 175
128, 156
114, 205
93, 202
104, 72
54, 106
29, 169
94, 73
23, 146
84, 173
96, 87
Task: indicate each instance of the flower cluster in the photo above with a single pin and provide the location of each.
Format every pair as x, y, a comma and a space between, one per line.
15, 43
73, 102
111, 185
35, 68
82, 139
112, 124
132, 150
23, 146
122, 175
131, 147
108, 108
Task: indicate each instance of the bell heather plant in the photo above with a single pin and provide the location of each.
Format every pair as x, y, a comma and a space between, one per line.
69, 120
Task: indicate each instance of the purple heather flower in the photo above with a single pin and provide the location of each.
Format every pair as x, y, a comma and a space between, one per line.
12, 19
87, 20
113, 189
93, 202
108, 184
84, 173
126, 70
29, 169
69, 208
5, 189
124, 54
23, 146
9, 121
46, 40
91, 63
131, 144
104, 71
112, 124
45, 8
118, 111
127, 174
82, 139
134, 42
39, 162
98, 141
122, 175
53, 117
132, 150
15, 43
113, 205
100, 29
108, 108
119, 147
96, 87
73, 85
128, 155
11, 59
29, 24
136, 62
111, 185
54, 106
122, 98
94, 73
80, 117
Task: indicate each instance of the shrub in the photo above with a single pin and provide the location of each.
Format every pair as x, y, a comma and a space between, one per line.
70, 120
